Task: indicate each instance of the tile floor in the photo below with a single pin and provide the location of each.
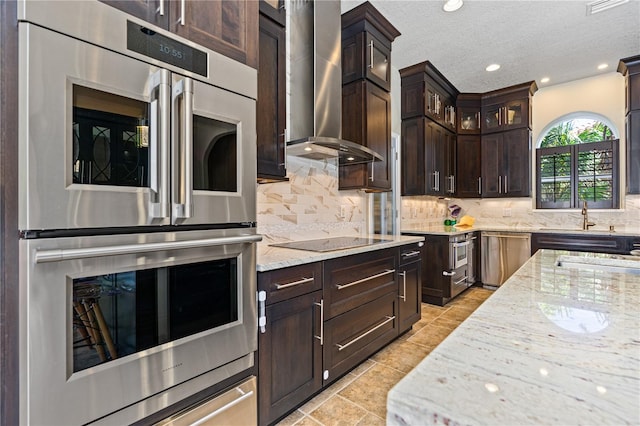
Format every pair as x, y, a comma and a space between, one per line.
360, 397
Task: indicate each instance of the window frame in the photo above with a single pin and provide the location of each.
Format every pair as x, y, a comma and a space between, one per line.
575, 149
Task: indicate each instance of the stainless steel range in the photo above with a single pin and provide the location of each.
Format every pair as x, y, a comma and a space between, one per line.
137, 214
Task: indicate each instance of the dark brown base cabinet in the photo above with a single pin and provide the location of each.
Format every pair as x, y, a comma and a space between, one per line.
325, 318
589, 243
633, 152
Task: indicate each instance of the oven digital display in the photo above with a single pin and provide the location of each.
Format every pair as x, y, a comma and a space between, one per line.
157, 46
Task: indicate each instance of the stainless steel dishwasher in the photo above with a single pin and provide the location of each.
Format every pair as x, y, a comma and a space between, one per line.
502, 254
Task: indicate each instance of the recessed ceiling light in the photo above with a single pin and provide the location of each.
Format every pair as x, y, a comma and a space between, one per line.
492, 67
544, 80
603, 66
308, 148
452, 5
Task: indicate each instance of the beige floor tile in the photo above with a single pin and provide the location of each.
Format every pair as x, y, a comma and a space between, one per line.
371, 420
330, 391
308, 421
402, 355
430, 336
370, 390
338, 411
291, 419
363, 367
447, 323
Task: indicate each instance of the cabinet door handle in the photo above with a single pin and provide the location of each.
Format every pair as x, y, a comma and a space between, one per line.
371, 54
262, 311
366, 333
448, 274
499, 184
294, 283
161, 8
480, 185
506, 188
500, 116
321, 336
182, 11
363, 280
371, 177
404, 286
478, 120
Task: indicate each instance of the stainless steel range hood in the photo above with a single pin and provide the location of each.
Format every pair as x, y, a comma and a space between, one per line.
315, 93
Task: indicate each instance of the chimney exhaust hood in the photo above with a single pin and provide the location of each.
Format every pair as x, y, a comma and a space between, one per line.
315, 92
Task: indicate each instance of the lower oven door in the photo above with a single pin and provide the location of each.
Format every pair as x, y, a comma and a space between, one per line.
109, 321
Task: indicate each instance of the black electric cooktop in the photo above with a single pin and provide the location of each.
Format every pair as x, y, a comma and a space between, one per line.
331, 244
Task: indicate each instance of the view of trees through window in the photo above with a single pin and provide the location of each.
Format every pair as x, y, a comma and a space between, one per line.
578, 161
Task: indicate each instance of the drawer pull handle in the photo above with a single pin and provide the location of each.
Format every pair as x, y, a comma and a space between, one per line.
381, 274
461, 280
346, 345
410, 253
302, 281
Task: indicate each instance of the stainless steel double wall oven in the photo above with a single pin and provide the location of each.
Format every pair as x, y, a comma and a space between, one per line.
137, 214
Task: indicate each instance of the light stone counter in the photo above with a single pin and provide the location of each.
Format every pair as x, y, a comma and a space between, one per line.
270, 258
452, 230
553, 346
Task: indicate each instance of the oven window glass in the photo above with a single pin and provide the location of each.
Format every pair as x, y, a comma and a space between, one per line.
110, 141
119, 314
214, 155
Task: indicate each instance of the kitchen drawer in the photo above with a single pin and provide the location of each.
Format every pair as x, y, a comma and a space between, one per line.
411, 252
352, 337
574, 242
282, 284
353, 280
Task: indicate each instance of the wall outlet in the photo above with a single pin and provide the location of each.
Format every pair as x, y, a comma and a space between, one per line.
506, 212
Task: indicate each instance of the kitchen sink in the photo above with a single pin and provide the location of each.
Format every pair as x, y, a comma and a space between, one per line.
611, 263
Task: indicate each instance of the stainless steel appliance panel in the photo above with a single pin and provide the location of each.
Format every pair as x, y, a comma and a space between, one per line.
50, 389
503, 253
236, 407
59, 190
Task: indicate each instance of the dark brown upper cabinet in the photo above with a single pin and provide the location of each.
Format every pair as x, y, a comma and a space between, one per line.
507, 109
630, 69
275, 10
426, 92
468, 166
366, 101
229, 27
469, 113
506, 164
366, 46
271, 102
366, 118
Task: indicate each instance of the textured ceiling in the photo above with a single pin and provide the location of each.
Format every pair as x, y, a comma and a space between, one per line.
529, 39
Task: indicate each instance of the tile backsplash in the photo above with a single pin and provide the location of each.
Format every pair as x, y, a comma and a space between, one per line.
309, 205
421, 212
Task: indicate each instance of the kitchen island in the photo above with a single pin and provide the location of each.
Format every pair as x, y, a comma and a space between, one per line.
553, 345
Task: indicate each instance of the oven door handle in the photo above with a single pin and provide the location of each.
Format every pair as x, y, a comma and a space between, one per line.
58, 255
182, 151
159, 120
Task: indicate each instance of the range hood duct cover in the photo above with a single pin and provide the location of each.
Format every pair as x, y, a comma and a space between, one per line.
315, 99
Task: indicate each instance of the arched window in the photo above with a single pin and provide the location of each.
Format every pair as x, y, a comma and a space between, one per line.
577, 161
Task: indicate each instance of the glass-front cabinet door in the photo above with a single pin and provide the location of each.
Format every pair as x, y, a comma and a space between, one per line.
378, 62
492, 118
468, 120
516, 114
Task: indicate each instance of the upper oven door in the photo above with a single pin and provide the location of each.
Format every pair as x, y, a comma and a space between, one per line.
111, 141
109, 321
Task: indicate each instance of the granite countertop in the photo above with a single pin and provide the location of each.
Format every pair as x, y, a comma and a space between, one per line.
452, 230
553, 345
270, 258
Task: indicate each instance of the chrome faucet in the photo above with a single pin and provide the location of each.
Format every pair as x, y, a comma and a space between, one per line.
585, 220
